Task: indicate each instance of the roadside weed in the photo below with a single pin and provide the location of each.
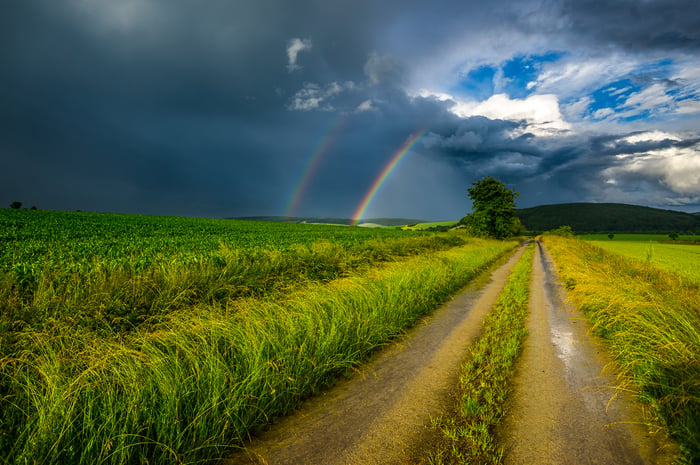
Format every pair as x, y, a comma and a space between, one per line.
467, 437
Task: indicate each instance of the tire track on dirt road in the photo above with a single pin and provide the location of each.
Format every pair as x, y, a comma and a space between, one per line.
381, 414
564, 408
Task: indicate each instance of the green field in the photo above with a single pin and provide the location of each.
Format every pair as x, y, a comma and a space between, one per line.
434, 224
682, 259
126, 269
640, 237
135, 339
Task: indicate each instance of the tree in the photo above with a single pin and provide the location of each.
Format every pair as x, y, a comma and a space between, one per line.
673, 236
611, 236
564, 231
493, 209
16, 205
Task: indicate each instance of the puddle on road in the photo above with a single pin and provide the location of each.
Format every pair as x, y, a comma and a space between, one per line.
560, 325
564, 340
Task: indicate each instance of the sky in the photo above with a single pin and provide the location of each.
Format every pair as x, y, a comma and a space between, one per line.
328, 108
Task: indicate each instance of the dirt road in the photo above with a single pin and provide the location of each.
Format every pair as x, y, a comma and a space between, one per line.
381, 414
564, 409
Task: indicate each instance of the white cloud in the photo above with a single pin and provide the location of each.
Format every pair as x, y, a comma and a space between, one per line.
573, 76
314, 97
678, 169
577, 109
365, 106
650, 136
541, 112
688, 106
441, 96
603, 113
654, 99
294, 47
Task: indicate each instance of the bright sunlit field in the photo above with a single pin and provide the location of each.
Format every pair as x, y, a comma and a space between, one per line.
682, 259
639, 237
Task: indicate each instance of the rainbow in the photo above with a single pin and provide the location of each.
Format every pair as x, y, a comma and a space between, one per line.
386, 171
319, 151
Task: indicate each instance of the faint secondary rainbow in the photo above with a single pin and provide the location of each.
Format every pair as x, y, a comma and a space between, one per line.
319, 151
386, 171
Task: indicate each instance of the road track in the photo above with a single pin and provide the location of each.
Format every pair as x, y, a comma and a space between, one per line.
564, 408
381, 414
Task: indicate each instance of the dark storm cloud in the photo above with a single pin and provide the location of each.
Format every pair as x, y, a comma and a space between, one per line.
636, 25
215, 108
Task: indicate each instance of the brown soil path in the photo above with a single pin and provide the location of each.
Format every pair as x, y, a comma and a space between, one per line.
563, 409
380, 415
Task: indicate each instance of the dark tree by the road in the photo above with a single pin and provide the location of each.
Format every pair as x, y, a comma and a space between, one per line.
493, 209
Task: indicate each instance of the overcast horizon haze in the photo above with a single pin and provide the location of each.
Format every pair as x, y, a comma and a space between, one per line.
226, 108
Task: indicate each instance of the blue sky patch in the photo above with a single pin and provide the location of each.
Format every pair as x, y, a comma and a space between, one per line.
478, 83
519, 71
511, 77
612, 95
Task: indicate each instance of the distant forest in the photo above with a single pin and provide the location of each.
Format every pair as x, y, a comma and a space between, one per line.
608, 218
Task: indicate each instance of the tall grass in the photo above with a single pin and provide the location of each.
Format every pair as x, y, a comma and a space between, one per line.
122, 293
199, 381
651, 320
467, 437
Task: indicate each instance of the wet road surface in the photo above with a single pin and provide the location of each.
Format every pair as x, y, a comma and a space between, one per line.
564, 408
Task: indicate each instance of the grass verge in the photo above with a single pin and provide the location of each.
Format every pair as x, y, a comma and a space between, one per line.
198, 383
467, 436
651, 320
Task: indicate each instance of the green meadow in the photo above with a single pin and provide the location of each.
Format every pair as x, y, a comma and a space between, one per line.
682, 259
429, 225
132, 339
640, 237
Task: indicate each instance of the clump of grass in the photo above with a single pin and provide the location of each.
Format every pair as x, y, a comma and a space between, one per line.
199, 382
467, 436
651, 320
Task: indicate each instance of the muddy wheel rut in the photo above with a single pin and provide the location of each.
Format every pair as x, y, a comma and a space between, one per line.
562, 408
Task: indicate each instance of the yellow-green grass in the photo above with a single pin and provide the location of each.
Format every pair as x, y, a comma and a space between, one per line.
682, 259
429, 225
651, 321
640, 237
468, 436
197, 382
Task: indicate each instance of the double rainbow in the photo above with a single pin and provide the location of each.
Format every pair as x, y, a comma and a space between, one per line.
384, 174
320, 149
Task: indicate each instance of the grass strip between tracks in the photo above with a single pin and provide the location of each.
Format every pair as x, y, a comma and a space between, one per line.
651, 321
198, 383
467, 436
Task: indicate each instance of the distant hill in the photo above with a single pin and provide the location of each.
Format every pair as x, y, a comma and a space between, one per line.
607, 217
346, 221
